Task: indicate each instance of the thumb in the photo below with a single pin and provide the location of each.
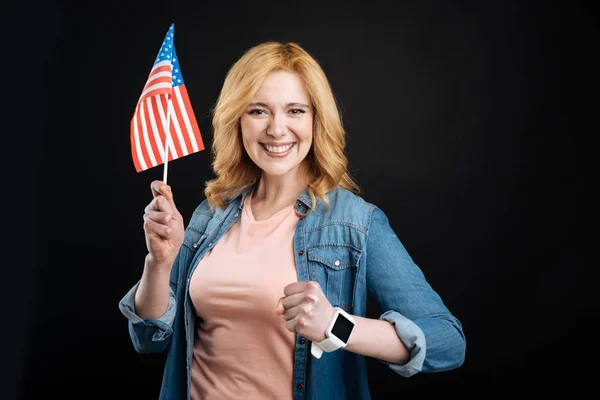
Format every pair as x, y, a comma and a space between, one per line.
159, 188
280, 309
167, 193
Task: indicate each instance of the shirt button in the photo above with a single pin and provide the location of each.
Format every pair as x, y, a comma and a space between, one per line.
301, 253
300, 386
236, 215
299, 204
337, 263
210, 244
302, 340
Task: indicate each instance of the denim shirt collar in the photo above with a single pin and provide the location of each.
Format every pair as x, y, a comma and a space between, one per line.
303, 202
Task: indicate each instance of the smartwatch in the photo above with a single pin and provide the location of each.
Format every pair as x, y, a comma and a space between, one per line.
337, 333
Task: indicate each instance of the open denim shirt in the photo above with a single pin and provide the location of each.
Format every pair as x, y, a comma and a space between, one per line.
351, 251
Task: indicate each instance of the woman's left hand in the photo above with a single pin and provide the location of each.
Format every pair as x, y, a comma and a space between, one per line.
305, 309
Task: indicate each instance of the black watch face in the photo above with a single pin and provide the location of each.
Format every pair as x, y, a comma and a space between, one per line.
342, 328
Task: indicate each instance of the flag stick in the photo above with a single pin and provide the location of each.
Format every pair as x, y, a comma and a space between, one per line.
167, 140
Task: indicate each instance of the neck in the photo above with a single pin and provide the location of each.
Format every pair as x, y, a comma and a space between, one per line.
277, 191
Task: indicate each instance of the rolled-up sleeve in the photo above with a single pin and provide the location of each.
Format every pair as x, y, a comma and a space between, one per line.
413, 339
432, 335
150, 335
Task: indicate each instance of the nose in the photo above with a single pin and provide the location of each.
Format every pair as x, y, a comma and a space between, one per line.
276, 126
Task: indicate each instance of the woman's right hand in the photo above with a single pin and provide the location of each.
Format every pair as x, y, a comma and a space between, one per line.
163, 225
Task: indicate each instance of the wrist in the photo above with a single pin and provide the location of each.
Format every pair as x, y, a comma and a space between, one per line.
154, 264
337, 334
325, 325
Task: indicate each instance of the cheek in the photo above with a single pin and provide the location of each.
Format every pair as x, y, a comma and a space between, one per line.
307, 134
252, 129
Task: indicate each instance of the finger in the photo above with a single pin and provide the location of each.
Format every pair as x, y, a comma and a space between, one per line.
160, 204
298, 324
313, 288
161, 189
292, 300
305, 309
293, 288
292, 324
159, 217
156, 188
154, 228
291, 313
311, 298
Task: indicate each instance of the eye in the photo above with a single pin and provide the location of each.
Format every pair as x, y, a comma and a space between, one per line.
297, 111
256, 111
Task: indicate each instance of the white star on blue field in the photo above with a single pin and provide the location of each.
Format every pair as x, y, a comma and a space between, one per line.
166, 53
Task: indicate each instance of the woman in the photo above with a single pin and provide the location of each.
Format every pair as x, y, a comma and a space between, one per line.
263, 294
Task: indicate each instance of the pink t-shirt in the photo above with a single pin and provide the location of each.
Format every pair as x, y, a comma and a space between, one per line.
243, 349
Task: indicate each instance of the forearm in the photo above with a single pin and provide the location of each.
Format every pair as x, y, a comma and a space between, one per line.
152, 295
378, 339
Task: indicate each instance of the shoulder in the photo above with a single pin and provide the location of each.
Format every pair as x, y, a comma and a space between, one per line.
203, 209
346, 197
345, 207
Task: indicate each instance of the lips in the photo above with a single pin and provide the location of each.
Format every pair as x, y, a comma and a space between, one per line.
277, 149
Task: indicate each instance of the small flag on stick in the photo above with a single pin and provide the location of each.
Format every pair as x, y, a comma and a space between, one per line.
164, 127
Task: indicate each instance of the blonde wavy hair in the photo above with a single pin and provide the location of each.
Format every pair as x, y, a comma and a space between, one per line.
325, 166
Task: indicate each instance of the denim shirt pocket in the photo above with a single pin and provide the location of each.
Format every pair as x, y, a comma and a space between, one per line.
338, 265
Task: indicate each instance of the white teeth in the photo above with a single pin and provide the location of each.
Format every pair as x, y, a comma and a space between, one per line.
278, 149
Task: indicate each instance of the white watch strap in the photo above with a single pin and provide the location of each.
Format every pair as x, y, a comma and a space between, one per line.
316, 350
328, 345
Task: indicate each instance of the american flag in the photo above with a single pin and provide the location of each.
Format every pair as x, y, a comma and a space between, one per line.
163, 99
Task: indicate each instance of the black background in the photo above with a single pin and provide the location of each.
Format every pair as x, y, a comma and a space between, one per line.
467, 123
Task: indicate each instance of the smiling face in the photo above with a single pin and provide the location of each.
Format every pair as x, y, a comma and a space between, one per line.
277, 126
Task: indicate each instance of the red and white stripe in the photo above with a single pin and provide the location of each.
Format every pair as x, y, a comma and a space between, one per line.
159, 99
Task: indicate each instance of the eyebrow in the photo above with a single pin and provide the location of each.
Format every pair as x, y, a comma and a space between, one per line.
260, 104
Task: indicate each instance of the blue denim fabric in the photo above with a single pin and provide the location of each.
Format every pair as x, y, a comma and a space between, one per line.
351, 251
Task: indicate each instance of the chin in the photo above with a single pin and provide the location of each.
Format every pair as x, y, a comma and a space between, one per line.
278, 170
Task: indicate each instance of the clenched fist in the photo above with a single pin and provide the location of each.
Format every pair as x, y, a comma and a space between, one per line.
305, 309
